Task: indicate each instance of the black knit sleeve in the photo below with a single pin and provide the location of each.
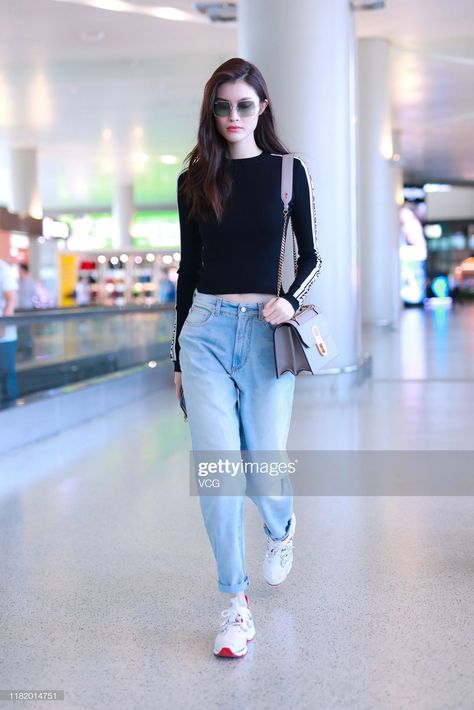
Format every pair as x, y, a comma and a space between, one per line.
303, 217
188, 271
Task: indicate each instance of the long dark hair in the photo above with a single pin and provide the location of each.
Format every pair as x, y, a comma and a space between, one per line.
208, 184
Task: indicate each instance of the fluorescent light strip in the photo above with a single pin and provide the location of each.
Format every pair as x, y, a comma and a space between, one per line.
161, 13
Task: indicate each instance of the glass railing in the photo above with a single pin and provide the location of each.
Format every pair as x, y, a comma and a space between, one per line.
43, 350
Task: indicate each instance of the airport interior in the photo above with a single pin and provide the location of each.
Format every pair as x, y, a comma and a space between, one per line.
116, 572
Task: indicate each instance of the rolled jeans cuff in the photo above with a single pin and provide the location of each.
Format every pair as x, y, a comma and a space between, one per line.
233, 588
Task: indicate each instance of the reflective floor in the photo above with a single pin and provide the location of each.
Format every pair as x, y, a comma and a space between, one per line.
108, 582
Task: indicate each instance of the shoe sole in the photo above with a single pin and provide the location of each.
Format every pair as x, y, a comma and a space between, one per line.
228, 653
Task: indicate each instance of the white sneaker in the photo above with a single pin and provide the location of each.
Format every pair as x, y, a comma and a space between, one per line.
236, 630
279, 557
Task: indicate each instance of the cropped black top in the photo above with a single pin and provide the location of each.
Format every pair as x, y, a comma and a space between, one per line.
241, 254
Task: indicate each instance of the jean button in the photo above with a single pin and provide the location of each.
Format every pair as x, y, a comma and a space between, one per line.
243, 309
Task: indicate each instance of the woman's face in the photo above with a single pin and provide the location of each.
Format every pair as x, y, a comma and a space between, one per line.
236, 92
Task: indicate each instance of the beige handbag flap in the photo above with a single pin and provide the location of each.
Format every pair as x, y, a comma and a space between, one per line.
310, 327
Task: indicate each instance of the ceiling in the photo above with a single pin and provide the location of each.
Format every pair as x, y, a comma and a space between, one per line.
101, 109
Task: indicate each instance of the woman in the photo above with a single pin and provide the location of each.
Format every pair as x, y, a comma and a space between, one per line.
231, 221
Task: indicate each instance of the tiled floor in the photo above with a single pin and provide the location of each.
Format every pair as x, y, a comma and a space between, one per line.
108, 582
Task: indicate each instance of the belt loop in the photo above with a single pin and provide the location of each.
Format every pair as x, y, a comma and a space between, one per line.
260, 308
217, 306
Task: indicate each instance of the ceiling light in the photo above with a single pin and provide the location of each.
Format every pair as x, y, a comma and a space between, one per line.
6, 105
40, 102
436, 187
168, 159
169, 13
91, 36
113, 5
161, 13
140, 157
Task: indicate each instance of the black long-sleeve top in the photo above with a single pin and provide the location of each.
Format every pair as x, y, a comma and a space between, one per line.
241, 254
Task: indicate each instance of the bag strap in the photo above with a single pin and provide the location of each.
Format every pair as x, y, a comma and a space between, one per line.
286, 195
286, 179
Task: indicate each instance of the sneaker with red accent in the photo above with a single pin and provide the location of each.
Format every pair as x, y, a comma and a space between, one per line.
279, 557
236, 630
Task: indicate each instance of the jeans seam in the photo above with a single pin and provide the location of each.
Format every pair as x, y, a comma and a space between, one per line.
248, 340
211, 316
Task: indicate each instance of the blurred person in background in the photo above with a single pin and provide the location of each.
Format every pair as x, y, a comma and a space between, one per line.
8, 334
167, 288
83, 291
26, 288
27, 301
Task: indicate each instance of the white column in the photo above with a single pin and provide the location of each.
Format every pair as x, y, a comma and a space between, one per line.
398, 188
25, 197
306, 53
24, 191
378, 210
123, 211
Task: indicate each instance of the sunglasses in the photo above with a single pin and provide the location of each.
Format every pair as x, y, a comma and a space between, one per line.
182, 403
223, 108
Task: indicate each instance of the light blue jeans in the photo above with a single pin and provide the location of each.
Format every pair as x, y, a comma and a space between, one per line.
235, 402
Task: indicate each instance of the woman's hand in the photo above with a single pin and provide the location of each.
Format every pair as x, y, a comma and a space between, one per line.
177, 382
278, 310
